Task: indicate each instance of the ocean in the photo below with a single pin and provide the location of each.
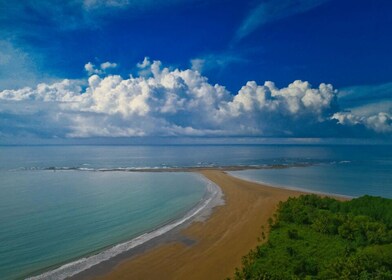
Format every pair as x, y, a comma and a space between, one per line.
69, 204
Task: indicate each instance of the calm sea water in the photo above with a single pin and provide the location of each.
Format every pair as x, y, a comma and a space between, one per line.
48, 218
51, 217
343, 170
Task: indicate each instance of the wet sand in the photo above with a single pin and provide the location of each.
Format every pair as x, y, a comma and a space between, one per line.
218, 242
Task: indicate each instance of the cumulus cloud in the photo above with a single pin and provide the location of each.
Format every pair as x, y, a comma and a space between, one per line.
108, 65
92, 69
145, 63
64, 91
376, 116
295, 100
381, 122
174, 103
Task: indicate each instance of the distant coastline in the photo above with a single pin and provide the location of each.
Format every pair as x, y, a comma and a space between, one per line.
174, 169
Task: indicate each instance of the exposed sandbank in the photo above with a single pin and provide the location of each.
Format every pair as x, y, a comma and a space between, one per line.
218, 243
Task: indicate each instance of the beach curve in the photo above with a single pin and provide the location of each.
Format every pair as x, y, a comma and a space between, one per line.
220, 241
211, 198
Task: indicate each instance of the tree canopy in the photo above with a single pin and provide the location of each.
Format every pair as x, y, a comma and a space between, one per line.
322, 238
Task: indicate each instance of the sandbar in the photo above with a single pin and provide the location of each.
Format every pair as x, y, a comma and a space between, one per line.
218, 243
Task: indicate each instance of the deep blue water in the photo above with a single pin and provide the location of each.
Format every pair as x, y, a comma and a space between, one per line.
50, 217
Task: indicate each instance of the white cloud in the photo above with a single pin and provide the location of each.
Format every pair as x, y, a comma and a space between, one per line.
91, 69
380, 122
296, 99
176, 103
64, 91
375, 116
144, 64
108, 65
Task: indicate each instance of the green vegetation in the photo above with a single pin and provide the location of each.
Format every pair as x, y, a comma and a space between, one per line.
322, 238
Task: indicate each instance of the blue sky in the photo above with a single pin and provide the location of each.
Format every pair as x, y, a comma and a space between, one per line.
198, 69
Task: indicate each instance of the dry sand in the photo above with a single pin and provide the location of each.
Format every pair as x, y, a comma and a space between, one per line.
227, 235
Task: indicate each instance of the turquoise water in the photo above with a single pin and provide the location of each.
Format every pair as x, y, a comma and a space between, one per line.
344, 170
341, 178
49, 217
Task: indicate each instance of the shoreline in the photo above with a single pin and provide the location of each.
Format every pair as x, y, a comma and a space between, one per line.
170, 168
203, 249
177, 235
79, 266
291, 188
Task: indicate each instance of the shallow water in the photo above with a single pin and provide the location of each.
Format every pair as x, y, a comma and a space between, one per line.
48, 218
344, 170
342, 179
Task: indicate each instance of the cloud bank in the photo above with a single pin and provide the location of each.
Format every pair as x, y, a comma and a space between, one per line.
172, 102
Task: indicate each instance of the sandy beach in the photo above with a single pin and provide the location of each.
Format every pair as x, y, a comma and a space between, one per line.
218, 243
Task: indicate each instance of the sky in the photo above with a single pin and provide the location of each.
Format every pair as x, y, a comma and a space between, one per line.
195, 69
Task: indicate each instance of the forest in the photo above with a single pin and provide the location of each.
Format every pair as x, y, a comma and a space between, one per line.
313, 237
